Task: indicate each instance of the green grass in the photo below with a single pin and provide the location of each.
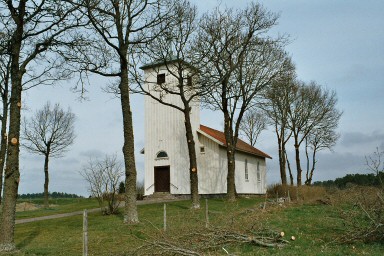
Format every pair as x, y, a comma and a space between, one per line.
315, 227
60, 205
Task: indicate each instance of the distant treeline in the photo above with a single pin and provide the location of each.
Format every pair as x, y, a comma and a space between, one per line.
369, 179
51, 195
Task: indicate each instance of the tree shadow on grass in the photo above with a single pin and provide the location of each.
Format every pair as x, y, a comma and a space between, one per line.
28, 238
181, 206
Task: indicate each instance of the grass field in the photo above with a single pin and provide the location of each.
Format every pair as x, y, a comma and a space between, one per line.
315, 226
60, 205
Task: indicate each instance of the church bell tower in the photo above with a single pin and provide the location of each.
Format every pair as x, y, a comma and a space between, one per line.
165, 151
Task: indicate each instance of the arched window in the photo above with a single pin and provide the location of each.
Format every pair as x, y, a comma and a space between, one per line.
162, 154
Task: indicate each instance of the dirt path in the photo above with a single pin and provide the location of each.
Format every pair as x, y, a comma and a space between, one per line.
69, 214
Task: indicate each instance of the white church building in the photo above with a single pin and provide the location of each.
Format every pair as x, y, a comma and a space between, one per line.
166, 154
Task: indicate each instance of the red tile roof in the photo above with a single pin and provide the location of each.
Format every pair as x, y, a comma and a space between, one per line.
240, 146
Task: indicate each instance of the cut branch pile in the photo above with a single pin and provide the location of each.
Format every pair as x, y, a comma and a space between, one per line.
365, 221
196, 243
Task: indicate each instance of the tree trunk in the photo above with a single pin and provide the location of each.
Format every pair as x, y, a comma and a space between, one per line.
298, 165
130, 212
283, 173
12, 172
231, 186
192, 160
307, 157
3, 148
46, 181
12, 176
310, 176
289, 167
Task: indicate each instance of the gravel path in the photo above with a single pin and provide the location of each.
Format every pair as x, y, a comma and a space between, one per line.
69, 214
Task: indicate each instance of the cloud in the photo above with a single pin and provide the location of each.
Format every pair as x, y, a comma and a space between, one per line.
349, 139
334, 162
330, 165
66, 161
335, 165
92, 153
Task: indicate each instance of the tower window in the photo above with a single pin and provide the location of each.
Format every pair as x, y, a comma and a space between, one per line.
162, 154
160, 78
189, 81
202, 150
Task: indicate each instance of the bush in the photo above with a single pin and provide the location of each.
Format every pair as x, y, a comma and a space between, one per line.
121, 188
140, 191
362, 210
303, 193
103, 176
279, 190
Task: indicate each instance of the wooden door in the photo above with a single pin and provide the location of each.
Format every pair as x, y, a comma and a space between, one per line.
162, 179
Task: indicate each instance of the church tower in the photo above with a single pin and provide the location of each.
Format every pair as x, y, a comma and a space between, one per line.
165, 152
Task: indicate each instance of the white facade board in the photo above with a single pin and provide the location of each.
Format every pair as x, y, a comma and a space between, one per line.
165, 131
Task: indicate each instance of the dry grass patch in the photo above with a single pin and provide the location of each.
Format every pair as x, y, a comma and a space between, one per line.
362, 211
301, 194
25, 206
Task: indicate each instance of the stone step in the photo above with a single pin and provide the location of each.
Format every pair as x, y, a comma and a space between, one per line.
160, 196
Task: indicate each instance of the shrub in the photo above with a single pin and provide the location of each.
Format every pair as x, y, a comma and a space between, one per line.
362, 211
122, 187
140, 191
303, 193
103, 177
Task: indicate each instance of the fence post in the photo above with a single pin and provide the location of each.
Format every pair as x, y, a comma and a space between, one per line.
85, 233
265, 201
206, 213
165, 217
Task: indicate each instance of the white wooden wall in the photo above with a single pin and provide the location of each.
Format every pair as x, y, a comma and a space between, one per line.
213, 170
212, 177
165, 131
253, 185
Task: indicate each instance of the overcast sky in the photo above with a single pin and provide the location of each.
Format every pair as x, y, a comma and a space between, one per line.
338, 44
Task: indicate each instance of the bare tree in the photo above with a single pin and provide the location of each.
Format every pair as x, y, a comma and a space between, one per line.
277, 102
375, 164
49, 133
103, 177
322, 137
117, 27
313, 108
33, 29
173, 49
240, 60
254, 122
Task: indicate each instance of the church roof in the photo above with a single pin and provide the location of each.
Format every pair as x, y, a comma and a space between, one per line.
242, 146
171, 59
166, 61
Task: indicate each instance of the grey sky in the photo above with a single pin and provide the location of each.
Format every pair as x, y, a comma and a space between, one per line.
339, 44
